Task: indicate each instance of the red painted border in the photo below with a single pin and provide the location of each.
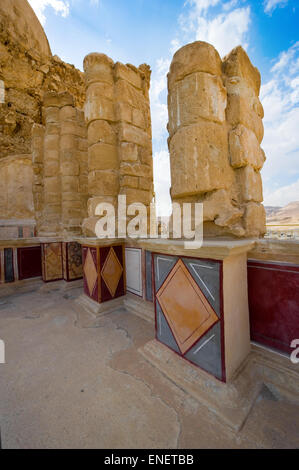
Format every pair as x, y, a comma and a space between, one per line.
273, 303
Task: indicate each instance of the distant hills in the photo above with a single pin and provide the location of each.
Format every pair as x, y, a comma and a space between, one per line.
288, 214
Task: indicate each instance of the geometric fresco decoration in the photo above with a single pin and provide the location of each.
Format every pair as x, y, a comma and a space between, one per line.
52, 261
206, 353
207, 275
112, 272
186, 309
8, 265
90, 272
164, 332
163, 264
74, 261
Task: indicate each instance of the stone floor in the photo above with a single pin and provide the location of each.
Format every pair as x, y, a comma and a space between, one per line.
68, 383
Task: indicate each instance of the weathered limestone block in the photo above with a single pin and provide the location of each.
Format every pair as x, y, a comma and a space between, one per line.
103, 157
198, 96
38, 133
195, 57
244, 149
128, 152
199, 159
129, 133
129, 73
135, 169
16, 180
237, 64
136, 195
250, 184
255, 220
241, 110
101, 131
51, 168
98, 68
98, 105
103, 183
129, 181
145, 183
51, 142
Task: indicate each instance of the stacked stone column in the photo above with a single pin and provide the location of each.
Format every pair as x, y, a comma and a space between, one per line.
51, 214
103, 160
38, 133
73, 165
244, 118
210, 104
119, 134
64, 172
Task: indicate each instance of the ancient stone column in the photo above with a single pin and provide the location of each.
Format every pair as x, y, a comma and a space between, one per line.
208, 101
72, 164
103, 161
64, 169
119, 134
51, 218
244, 118
38, 132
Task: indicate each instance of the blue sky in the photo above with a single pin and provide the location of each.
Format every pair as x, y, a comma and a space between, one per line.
138, 31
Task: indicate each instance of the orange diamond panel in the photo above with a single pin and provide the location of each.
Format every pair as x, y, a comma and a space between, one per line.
188, 312
90, 272
112, 271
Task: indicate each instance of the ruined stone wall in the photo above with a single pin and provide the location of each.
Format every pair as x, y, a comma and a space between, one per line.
28, 69
16, 178
119, 134
59, 153
215, 130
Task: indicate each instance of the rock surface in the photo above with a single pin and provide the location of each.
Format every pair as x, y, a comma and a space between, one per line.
28, 69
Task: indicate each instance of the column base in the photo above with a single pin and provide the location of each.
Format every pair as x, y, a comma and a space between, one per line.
94, 308
140, 307
230, 402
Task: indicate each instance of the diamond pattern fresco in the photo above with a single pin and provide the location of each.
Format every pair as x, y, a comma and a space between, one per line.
188, 309
189, 314
90, 272
112, 272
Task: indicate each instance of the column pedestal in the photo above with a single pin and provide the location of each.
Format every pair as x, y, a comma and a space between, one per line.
201, 302
103, 275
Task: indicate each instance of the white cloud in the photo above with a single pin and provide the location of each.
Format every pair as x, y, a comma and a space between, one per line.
158, 98
280, 98
270, 5
162, 182
285, 58
202, 5
61, 7
224, 30
282, 196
